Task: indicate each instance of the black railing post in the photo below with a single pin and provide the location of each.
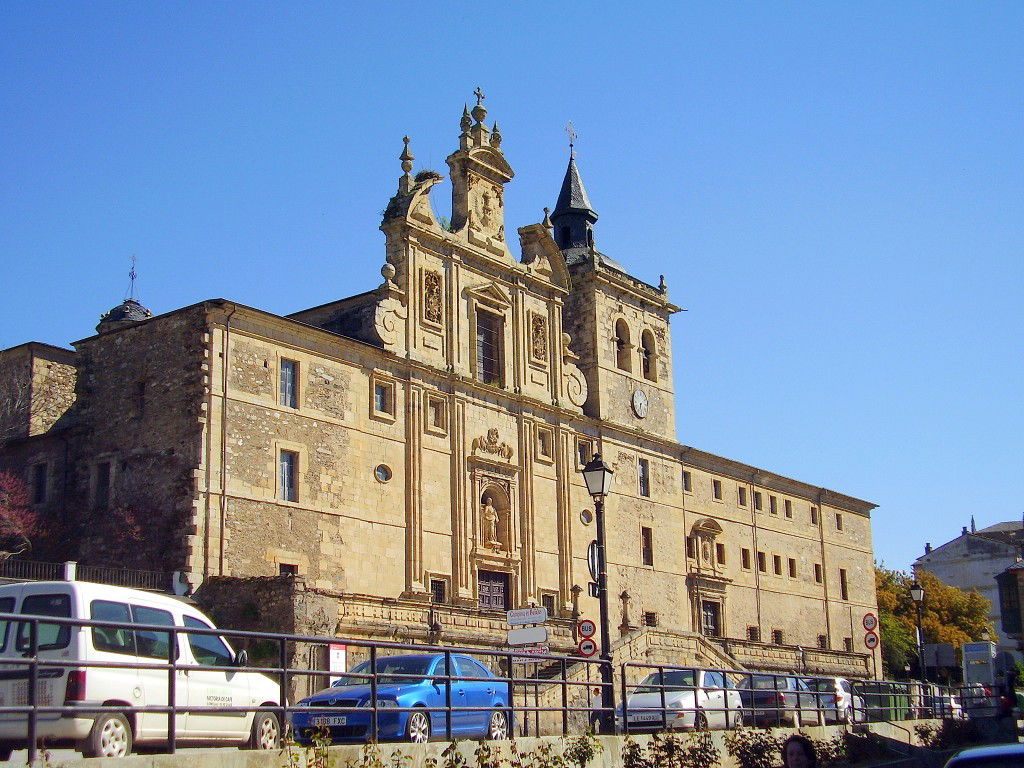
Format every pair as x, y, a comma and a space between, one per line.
283, 682
661, 696
511, 701
374, 721
172, 690
625, 700
33, 688
448, 695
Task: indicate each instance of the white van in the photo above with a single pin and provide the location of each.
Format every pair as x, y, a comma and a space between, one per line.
113, 734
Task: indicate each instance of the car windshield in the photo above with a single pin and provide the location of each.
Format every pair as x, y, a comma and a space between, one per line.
673, 681
823, 686
763, 683
389, 671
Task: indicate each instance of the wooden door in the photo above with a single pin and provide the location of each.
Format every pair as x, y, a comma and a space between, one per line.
493, 589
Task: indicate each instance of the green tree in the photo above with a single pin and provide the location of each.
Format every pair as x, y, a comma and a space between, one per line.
949, 615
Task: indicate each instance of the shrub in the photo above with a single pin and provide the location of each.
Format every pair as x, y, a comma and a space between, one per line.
753, 747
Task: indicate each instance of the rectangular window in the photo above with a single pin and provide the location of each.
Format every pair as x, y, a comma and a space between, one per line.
548, 601
777, 636
687, 481
773, 505
101, 493
754, 633
777, 564
644, 475
544, 440
439, 591
384, 398
839, 522
691, 547
745, 558
39, 483
647, 546
650, 619
757, 501
111, 639
436, 413
762, 562
788, 505
792, 568
288, 470
817, 573
814, 515
585, 449
716, 489
741, 496
49, 637
152, 643
289, 396
823, 642
287, 569
844, 589
848, 644
488, 348
720, 553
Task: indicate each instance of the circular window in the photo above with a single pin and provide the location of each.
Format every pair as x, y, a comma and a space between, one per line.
382, 473
586, 517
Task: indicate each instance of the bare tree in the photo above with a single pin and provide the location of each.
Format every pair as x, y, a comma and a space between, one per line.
18, 521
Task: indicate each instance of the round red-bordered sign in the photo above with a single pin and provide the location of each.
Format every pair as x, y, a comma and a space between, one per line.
870, 640
587, 647
586, 628
870, 622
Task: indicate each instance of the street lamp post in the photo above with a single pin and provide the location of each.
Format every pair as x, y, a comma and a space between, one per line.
917, 593
598, 477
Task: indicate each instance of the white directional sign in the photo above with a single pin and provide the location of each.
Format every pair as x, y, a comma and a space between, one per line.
592, 563
533, 650
535, 615
527, 636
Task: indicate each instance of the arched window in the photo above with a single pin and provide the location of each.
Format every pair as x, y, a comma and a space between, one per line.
622, 345
648, 356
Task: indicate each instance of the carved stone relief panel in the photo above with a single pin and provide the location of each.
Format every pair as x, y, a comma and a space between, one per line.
433, 305
538, 338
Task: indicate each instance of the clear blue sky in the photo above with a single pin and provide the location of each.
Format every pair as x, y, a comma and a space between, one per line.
834, 191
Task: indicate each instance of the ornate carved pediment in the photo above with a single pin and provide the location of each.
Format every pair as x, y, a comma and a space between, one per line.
491, 444
707, 527
491, 295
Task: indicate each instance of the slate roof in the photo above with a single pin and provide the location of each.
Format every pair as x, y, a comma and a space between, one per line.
573, 195
129, 309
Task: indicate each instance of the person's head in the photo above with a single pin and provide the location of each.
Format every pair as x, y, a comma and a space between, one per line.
798, 752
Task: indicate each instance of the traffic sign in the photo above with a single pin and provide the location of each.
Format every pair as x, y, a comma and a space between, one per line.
533, 650
527, 636
534, 615
870, 640
587, 647
870, 622
592, 563
593, 589
586, 628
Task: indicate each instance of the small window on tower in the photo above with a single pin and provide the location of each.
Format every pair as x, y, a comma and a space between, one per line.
566, 236
622, 346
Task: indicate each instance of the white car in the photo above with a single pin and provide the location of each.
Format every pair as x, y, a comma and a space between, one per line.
693, 699
836, 699
142, 682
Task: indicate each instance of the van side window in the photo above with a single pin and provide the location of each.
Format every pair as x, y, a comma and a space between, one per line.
112, 639
209, 650
150, 642
51, 637
6, 606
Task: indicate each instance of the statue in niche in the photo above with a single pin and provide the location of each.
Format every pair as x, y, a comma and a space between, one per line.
706, 549
489, 517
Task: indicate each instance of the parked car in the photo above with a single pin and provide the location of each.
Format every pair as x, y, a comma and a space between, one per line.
693, 698
991, 756
836, 699
943, 704
115, 734
979, 700
411, 695
777, 700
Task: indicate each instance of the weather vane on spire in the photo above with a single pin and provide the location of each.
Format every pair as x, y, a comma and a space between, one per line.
571, 131
131, 277
479, 95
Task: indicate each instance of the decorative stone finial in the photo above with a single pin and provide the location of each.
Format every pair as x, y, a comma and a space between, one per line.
405, 183
661, 285
479, 111
495, 136
466, 120
547, 218
388, 271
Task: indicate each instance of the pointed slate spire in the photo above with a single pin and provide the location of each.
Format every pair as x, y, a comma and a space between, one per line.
573, 217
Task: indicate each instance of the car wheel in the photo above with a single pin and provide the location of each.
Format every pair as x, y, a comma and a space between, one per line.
266, 731
497, 728
111, 736
700, 722
417, 727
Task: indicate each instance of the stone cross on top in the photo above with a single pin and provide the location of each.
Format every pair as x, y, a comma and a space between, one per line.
479, 95
571, 132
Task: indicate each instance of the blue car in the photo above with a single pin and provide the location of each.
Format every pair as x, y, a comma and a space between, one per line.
410, 688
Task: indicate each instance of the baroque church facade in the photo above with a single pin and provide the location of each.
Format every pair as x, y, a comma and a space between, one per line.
405, 463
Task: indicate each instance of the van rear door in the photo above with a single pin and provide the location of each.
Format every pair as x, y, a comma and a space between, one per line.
52, 641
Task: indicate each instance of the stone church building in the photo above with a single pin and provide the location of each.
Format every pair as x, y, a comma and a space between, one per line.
405, 463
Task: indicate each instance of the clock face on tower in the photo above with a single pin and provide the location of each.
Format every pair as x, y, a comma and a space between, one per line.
640, 403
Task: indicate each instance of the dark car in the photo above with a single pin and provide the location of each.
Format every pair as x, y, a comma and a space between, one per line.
777, 700
992, 756
411, 696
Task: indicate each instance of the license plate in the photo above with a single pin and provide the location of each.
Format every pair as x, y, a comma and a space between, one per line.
330, 720
648, 717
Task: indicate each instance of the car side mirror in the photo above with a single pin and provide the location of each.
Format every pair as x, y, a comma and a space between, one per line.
241, 658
